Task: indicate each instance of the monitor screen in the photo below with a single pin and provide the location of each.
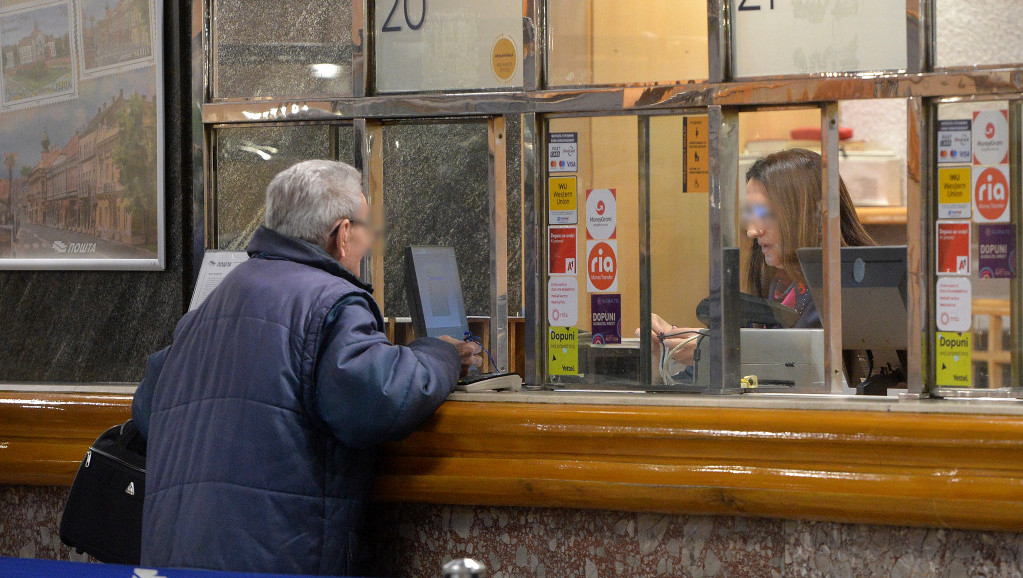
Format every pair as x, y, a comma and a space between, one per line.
873, 294
435, 292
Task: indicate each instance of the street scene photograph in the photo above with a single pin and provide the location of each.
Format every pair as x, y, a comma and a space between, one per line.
80, 176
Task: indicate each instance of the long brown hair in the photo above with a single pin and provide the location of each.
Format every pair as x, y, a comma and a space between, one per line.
793, 181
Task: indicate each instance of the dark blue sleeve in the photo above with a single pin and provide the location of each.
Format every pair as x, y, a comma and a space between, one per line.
142, 403
369, 390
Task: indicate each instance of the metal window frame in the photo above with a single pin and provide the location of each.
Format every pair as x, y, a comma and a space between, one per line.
721, 97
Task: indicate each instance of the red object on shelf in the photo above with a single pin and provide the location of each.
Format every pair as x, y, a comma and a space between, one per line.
814, 133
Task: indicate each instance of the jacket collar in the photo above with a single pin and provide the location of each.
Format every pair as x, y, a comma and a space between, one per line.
269, 244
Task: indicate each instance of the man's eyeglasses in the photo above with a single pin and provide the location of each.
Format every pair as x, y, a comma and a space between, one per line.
373, 230
759, 213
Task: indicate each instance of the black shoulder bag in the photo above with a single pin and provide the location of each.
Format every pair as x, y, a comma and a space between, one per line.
103, 515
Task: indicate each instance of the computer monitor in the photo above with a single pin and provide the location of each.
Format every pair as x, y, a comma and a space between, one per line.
435, 292
873, 294
873, 306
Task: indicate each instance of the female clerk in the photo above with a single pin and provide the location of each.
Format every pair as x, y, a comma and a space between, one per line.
782, 213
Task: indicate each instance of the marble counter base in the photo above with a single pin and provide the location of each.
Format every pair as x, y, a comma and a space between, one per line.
29, 518
414, 540
417, 539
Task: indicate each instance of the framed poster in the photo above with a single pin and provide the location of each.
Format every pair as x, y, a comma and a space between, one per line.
81, 135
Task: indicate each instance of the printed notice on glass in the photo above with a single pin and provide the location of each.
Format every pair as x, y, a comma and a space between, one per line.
215, 266
605, 318
954, 304
562, 351
954, 138
953, 248
561, 245
601, 266
562, 201
954, 193
990, 137
695, 155
952, 359
563, 301
601, 214
996, 251
772, 37
563, 152
447, 44
991, 194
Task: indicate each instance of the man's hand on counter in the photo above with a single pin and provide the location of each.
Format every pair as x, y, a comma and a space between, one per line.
469, 351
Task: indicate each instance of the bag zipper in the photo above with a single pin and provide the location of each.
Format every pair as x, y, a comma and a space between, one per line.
116, 459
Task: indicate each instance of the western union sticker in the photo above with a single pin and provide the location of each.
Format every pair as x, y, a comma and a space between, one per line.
953, 359
563, 203
954, 197
562, 351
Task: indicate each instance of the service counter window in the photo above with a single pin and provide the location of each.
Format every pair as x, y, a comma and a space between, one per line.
264, 49
616, 202
599, 42
435, 193
452, 183
246, 159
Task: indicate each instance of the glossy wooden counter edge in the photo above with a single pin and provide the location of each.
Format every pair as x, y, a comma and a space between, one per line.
941, 470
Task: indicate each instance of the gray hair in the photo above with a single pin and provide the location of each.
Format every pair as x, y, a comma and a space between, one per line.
305, 199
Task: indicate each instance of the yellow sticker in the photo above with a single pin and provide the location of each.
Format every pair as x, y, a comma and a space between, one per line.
562, 351
954, 199
503, 58
562, 201
952, 359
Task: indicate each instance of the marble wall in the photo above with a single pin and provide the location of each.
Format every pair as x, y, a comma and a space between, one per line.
415, 540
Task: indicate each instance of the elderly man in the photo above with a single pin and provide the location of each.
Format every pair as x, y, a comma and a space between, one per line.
263, 415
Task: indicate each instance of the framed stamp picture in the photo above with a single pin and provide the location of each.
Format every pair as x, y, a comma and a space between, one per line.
81, 135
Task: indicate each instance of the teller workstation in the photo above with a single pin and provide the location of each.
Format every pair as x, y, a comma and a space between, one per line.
736, 258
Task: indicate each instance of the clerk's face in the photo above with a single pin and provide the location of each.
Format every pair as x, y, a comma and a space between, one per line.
761, 225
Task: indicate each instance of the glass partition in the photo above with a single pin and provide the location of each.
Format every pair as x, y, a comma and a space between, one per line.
595, 42
262, 49
779, 38
592, 247
247, 157
435, 193
977, 33
440, 45
679, 251
975, 246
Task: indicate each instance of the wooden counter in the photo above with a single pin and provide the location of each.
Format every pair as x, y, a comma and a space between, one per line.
927, 469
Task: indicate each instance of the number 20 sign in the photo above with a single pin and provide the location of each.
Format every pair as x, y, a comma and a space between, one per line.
447, 45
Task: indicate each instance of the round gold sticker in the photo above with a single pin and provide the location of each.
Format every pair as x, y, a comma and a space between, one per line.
503, 58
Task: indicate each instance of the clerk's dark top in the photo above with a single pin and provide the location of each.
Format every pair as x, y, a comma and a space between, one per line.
796, 296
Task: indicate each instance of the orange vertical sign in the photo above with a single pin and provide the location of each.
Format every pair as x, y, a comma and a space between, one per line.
695, 153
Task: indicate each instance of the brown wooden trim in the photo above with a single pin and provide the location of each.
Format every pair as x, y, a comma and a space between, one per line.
942, 470
882, 215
